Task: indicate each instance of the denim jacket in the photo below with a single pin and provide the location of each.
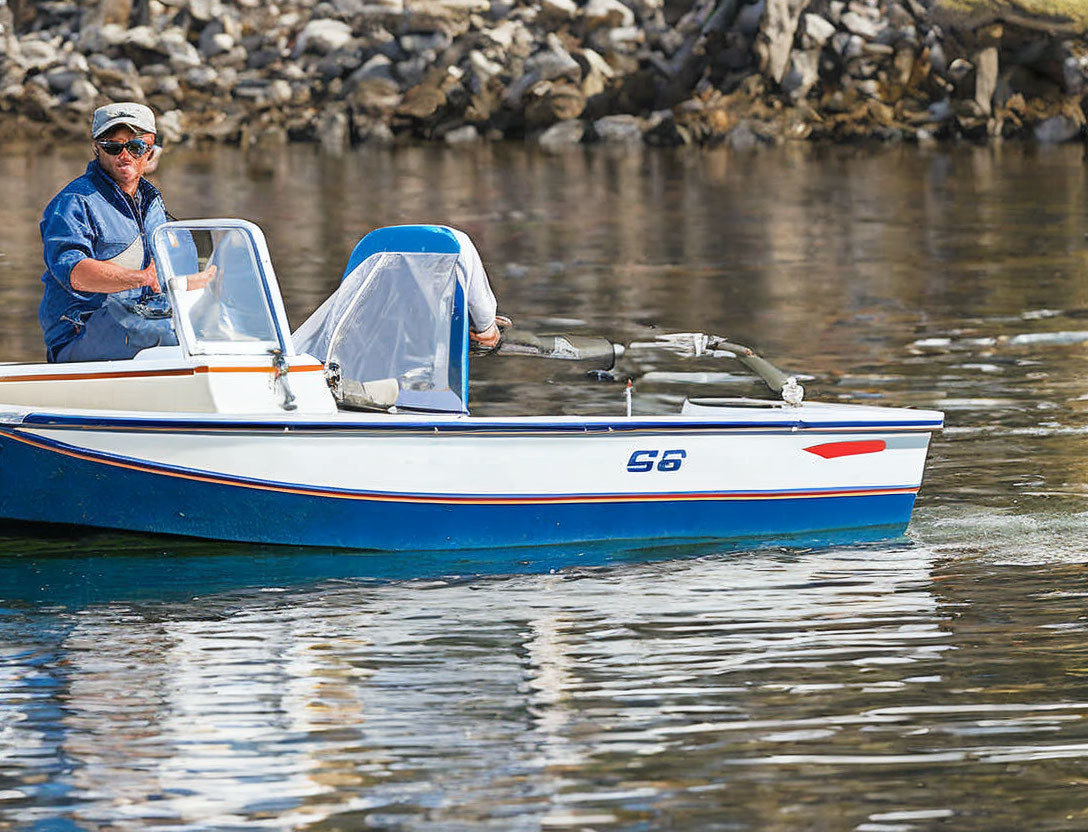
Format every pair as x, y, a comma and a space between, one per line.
91, 218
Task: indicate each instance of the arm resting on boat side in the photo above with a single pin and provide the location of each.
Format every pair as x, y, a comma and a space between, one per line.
102, 276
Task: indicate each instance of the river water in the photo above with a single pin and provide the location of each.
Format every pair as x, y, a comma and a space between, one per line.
935, 681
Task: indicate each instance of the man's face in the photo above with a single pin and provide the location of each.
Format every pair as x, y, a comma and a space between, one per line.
124, 168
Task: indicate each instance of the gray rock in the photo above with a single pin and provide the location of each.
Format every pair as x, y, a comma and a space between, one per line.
205, 10
562, 135
61, 80
548, 64
802, 75
818, 30
466, 134
621, 129
1057, 130
776, 32
1075, 74
214, 40
323, 36
742, 137
202, 77
35, 54
97, 39
418, 42
379, 67
860, 25
373, 133
182, 54
749, 17
82, 95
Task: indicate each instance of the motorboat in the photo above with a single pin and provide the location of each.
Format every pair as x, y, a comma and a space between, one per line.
354, 430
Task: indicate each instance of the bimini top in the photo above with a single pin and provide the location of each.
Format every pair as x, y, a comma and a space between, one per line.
398, 314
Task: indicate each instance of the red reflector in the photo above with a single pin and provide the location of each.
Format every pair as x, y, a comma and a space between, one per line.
830, 450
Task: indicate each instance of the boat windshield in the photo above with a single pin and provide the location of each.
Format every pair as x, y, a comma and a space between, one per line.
397, 315
218, 277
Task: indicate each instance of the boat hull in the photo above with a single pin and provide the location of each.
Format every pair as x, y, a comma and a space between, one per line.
384, 484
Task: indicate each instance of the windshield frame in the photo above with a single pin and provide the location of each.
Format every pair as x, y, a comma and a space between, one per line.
264, 274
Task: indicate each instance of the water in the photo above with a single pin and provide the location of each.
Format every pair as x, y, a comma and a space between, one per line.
936, 681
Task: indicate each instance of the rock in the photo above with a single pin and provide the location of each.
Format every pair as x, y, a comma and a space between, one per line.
59, 81
818, 30
205, 10
548, 64
482, 68
182, 54
373, 133
749, 18
214, 41
775, 39
618, 130
559, 10
742, 137
986, 63
82, 95
552, 101
802, 75
322, 36
562, 136
860, 25
35, 54
661, 130
596, 72
1057, 130
117, 12
467, 134
607, 14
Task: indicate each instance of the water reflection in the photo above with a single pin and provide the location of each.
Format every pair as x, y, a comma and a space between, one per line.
721, 692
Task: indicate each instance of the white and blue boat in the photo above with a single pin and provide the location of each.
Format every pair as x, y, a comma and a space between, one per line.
355, 431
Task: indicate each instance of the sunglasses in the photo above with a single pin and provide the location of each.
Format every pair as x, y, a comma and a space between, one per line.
135, 147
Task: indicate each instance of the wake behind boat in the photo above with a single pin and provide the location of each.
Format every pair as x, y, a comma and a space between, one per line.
355, 431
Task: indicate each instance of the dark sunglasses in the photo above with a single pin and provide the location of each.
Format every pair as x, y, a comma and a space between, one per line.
135, 147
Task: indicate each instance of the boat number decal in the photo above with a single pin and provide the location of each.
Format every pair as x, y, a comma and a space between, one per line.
643, 461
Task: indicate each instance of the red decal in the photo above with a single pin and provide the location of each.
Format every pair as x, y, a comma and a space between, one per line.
830, 450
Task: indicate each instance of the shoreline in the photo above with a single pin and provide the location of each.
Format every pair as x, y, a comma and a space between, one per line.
552, 72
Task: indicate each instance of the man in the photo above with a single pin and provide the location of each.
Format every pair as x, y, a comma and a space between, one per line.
95, 239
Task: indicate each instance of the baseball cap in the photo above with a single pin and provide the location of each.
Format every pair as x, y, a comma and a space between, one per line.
136, 116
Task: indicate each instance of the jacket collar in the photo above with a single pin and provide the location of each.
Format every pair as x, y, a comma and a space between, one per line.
106, 182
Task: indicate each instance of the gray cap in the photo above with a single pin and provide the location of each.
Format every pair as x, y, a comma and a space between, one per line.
136, 116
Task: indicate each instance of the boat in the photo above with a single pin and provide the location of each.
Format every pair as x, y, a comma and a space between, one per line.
354, 431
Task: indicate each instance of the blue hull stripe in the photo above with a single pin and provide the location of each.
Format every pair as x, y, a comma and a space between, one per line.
197, 425
180, 472
42, 484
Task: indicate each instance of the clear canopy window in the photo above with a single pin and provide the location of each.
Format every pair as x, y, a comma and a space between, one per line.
217, 285
395, 316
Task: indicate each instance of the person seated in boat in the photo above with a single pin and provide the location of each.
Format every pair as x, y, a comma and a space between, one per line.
101, 297
484, 330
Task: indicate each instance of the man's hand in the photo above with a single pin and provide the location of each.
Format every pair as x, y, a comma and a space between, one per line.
489, 338
150, 277
201, 279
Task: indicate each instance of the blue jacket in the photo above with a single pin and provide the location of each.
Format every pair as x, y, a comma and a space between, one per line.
91, 218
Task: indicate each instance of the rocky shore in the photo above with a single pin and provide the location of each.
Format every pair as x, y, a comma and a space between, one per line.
556, 72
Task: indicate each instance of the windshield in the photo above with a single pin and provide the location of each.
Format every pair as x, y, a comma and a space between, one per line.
230, 312
394, 317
